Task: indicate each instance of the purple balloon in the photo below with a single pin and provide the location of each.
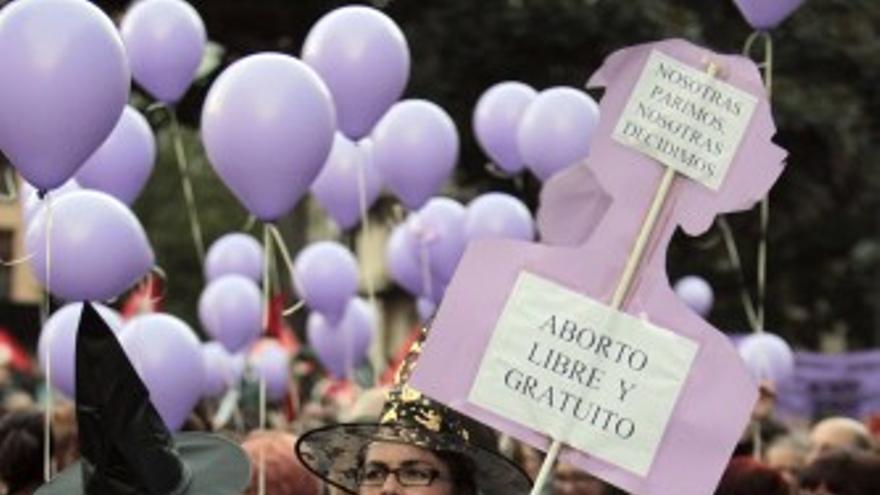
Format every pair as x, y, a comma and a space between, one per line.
122, 165
325, 274
97, 246
343, 346
768, 357
235, 253
498, 215
219, 375
168, 357
33, 204
425, 309
65, 82
556, 129
58, 343
363, 57
441, 224
496, 120
764, 15
403, 255
165, 42
416, 148
696, 293
268, 125
271, 362
231, 311
348, 171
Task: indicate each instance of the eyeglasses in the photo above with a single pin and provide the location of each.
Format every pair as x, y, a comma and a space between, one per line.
376, 474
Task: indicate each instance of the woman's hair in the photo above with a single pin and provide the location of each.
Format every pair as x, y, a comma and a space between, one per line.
21, 449
745, 476
844, 472
461, 470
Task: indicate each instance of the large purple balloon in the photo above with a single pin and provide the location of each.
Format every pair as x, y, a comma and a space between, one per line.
98, 249
234, 253
416, 148
268, 125
363, 57
556, 129
32, 204
696, 293
768, 357
343, 346
58, 343
441, 224
219, 375
168, 357
122, 165
496, 120
404, 257
349, 171
271, 362
498, 215
165, 42
763, 14
231, 311
325, 275
65, 82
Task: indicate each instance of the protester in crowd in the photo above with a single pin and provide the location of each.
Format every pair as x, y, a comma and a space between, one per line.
842, 472
746, 476
788, 455
21, 452
283, 473
569, 480
418, 447
838, 433
527, 457
65, 435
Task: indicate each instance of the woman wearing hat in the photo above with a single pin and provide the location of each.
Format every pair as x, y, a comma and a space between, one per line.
419, 447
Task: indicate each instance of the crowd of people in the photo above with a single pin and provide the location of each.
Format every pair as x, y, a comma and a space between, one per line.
398, 441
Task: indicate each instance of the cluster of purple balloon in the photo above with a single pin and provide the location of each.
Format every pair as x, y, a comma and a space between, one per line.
548, 131
163, 349
423, 252
341, 325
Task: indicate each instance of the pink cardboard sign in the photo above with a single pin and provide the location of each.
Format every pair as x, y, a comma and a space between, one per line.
717, 394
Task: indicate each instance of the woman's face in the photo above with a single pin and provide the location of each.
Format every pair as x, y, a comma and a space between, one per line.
399, 469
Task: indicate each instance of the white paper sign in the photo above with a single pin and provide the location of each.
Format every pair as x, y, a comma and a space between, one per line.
599, 380
687, 119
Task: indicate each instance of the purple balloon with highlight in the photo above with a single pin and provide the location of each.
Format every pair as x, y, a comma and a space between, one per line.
65, 82
499, 216
267, 125
124, 162
349, 171
496, 120
165, 41
363, 57
764, 14
402, 259
271, 362
556, 129
696, 293
98, 247
58, 343
231, 311
234, 254
343, 346
441, 225
32, 204
219, 375
325, 275
168, 357
768, 357
415, 149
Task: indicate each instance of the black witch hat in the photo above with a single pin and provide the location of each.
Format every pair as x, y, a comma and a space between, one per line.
126, 447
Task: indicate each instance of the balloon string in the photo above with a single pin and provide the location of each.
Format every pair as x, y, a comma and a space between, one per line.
249, 223
186, 184
736, 264
767, 72
288, 264
262, 468
427, 282
44, 315
365, 233
267, 261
